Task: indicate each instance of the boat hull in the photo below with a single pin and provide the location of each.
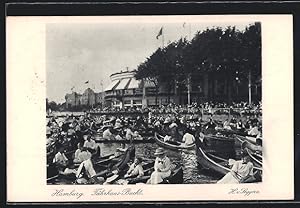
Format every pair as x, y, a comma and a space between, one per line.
160, 142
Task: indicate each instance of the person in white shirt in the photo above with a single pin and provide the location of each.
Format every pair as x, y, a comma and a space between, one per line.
162, 167
188, 138
86, 172
62, 162
107, 134
60, 158
81, 154
241, 171
253, 131
226, 124
129, 133
135, 169
92, 146
77, 152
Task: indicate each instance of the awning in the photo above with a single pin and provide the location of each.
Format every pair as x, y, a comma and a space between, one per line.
122, 85
133, 84
112, 85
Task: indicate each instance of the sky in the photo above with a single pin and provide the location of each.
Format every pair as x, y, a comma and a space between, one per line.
80, 52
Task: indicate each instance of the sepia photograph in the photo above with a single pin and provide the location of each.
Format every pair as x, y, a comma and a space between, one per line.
150, 108
155, 103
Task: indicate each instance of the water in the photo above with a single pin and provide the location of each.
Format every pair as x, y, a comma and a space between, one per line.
191, 173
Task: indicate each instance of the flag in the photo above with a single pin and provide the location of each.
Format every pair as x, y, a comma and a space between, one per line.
86, 82
159, 33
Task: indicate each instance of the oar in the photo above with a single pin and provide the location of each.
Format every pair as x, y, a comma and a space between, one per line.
53, 177
105, 160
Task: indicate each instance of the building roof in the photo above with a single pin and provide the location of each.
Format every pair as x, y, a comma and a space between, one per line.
133, 84
123, 84
112, 85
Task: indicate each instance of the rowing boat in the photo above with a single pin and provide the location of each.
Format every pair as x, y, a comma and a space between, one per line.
250, 139
256, 158
176, 176
173, 146
102, 166
119, 164
218, 145
245, 142
218, 164
143, 140
53, 173
230, 132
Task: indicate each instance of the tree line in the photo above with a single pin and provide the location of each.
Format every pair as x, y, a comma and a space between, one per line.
229, 54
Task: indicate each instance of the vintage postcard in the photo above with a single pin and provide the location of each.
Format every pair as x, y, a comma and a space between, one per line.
150, 108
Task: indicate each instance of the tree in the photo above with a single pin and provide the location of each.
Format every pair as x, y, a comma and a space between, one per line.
251, 55
53, 106
221, 53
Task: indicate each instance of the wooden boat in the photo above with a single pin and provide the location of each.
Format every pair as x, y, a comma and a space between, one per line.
256, 159
218, 144
102, 166
120, 164
143, 132
218, 164
180, 146
52, 171
176, 176
230, 132
244, 142
143, 140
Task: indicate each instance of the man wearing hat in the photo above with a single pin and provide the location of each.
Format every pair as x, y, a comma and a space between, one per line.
162, 167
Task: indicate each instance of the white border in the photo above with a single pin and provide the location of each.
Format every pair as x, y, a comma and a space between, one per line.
26, 96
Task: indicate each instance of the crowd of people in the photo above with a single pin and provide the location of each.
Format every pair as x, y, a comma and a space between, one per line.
178, 124
206, 107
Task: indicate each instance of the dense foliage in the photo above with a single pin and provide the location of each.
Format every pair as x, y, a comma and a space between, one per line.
228, 53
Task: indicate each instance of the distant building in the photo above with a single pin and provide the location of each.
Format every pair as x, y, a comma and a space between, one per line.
99, 98
88, 98
124, 90
73, 99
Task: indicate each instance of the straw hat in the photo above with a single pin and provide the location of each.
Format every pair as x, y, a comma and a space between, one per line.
118, 126
173, 125
167, 120
159, 151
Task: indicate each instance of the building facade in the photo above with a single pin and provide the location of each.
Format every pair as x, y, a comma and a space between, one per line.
125, 91
73, 99
88, 99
